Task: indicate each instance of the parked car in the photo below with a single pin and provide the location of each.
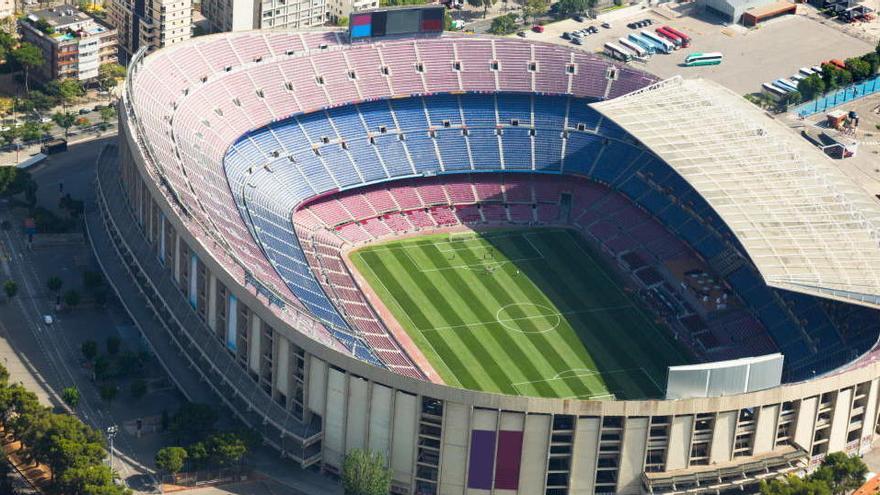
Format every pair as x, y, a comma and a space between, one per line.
578, 41
606, 25
566, 35
579, 18
521, 34
538, 29
592, 30
84, 111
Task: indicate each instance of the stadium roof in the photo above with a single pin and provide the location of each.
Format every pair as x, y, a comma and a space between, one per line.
805, 224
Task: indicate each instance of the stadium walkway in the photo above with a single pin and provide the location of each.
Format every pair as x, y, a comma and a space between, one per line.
265, 460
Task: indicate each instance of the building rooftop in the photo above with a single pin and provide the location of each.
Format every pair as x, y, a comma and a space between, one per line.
805, 224
67, 20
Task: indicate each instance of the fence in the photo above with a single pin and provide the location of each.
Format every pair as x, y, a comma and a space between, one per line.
839, 97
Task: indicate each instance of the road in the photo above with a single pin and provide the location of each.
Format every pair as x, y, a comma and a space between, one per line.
51, 352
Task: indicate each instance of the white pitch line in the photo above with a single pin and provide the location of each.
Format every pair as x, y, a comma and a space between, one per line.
526, 237
509, 320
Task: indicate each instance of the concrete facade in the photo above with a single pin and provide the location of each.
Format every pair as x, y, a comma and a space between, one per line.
314, 403
150, 23
244, 15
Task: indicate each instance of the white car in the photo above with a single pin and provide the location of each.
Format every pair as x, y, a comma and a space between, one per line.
48, 320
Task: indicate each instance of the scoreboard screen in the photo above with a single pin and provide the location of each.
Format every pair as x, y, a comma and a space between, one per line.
394, 22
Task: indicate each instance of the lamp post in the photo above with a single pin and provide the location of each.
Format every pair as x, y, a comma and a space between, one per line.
111, 434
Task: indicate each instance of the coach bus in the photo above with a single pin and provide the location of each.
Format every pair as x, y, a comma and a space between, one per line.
617, 52
785, 84
629, 45
644, 43
697, 59
773, 92
667, 46
685, 39
678, 42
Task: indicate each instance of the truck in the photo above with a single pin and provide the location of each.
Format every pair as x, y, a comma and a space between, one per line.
54, 146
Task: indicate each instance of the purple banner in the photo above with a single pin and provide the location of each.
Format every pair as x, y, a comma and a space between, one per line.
507, 460
482, 459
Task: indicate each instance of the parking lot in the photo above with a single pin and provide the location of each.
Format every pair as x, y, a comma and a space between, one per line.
775, 49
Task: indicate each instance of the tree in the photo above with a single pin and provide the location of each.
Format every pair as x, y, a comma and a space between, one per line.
28, 57
108, 392
67, 90
504, 24
101, 367
842, 473
54, 284
225, 449
113, 344
193, 420
342, 21
171, 459
534, 9
571, 7
31, 131
873, 60
138, 388
71, 396
365, 473
793, 485
859, 68
65, 120
71, 298
107, 113
89, 349
109, 75
485, 4
10, 288
811, 86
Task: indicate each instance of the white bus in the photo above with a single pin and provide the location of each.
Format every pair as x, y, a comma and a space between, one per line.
658, 39
629, 45
617, 52
772, 91
806, 71
698, 59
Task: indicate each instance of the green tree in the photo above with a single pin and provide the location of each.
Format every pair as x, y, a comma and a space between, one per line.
225, 449
873, 59
365, 473
28, 57
67, 90
342, 21
71, 396
138, 388
89, 349
101, 367
87, 480
859, 68
65, 120
113, 344
811, 86
63, 441
171, 459
534, 9
31, 131
108, 392
71, 298
504, 24
793, 485
10, 288
107, 113
484, 4
54, 284
193, 420
109, 75
842, 473
571, 7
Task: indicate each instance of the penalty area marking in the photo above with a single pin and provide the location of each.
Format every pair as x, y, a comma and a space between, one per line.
502, 321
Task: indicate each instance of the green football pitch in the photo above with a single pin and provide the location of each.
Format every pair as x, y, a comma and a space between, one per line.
523, 312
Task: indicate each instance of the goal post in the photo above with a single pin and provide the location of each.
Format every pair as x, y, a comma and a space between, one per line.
455, 237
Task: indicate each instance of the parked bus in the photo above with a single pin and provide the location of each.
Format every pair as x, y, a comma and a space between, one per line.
772, 91
785, 84
643, 42
697, 59
629, 45
617, 52
781, 87
817, 69
806, 71
685, 39
836, 63
678, 42
667, 46
796, 78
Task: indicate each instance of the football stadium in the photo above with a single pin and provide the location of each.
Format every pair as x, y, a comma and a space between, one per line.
508, 266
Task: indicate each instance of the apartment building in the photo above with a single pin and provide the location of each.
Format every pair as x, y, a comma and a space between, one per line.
150, 23
243, 15
74, 44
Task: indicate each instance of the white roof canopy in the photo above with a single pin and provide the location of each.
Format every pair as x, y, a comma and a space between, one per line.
805, 224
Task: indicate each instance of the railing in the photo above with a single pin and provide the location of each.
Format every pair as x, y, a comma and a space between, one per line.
839, 97
184, 321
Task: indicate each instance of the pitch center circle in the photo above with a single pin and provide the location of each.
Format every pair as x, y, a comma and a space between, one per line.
511, 322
